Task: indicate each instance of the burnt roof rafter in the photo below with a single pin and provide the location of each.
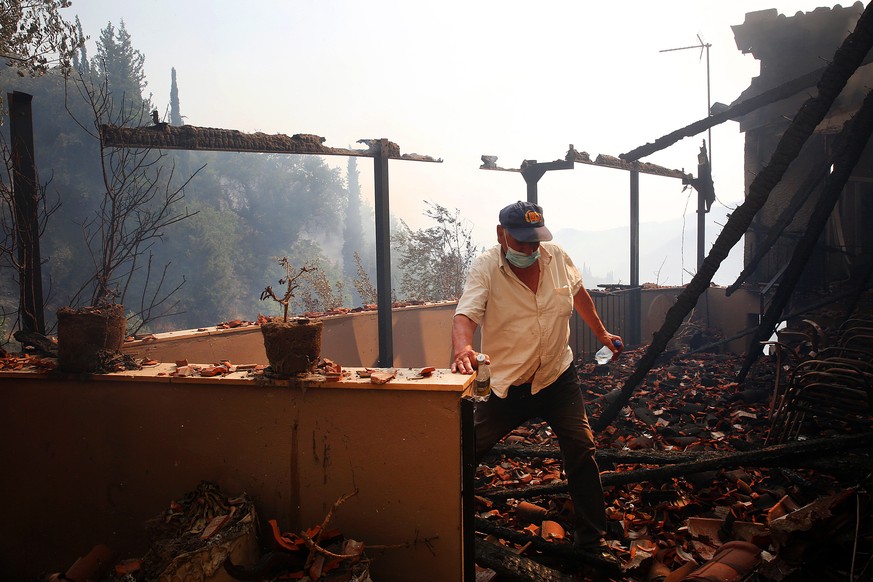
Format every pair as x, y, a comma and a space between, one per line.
188, 137
576, 157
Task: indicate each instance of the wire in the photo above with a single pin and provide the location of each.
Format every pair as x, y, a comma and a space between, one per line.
682, 244
857, 528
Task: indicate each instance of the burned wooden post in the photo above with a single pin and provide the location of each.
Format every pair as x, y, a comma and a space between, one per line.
26, 209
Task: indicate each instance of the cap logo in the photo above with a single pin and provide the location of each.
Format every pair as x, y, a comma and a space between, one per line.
533, 216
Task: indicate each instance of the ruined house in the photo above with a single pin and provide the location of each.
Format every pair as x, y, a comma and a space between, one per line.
788, 47
138, 439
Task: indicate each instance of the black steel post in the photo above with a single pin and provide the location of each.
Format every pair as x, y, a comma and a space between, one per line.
701, 227
26, 199
635, 316
531, 171
383, 257
531, 174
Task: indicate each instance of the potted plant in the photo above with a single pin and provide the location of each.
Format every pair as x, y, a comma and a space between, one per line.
139, 199
88, 337
293, 345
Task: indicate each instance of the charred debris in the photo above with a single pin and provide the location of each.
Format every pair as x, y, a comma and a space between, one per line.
778, 466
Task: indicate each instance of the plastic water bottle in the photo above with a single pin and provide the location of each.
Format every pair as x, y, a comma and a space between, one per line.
604, 354
482, 385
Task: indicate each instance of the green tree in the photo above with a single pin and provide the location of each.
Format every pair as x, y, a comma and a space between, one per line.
353, 237
434, 261
121, 68
323, 287
80, 56
34, 36
175, 110
251, 207
139, 200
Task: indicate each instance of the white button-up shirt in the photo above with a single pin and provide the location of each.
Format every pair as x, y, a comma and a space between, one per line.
525, 334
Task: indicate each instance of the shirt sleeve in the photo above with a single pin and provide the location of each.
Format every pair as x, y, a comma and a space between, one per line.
477, 289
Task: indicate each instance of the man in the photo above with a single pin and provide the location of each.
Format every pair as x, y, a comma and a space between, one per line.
522, 294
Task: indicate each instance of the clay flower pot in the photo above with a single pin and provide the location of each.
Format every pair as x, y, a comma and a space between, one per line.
87, 335
292, 347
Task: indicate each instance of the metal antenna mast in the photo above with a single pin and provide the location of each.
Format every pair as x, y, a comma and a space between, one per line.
701, 202
703, 46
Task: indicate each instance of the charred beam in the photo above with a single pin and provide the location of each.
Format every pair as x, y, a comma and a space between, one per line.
785, 218
773, 456
511, 566
602, 160
858, 134
784, 91
815, 177
607, 161
846, 60
188, 137
603, 456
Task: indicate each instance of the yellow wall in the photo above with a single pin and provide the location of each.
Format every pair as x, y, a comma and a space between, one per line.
422, 336
90, 460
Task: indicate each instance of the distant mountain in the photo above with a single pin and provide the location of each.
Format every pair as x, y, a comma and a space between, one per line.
666, 256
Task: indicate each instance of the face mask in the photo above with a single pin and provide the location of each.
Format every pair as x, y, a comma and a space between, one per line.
521, 260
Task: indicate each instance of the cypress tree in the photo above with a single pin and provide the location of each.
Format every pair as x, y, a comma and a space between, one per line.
175, 113
352, 234
123, 66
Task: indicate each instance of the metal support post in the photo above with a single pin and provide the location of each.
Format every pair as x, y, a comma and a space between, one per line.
383, 257
634, 332
26, 196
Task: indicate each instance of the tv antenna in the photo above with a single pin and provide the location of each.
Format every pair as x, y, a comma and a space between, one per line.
701, 202
703, 46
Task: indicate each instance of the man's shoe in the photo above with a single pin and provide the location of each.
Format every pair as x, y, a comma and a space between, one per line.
598, 554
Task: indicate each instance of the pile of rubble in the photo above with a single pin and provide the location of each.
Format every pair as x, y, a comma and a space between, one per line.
688, 473
207, 535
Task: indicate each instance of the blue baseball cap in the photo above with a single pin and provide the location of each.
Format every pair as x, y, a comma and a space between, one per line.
524, 222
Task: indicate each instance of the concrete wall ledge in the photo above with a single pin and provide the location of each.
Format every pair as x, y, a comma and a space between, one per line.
91, 458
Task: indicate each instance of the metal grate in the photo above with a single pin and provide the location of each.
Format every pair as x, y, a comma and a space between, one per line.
614, 309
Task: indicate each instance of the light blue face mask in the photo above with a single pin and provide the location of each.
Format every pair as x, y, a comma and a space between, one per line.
521, 260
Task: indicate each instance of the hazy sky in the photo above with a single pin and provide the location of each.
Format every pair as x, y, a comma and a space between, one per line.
459, 79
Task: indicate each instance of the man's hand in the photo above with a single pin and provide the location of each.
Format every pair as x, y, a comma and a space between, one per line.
614, 342
464, 356
465, 361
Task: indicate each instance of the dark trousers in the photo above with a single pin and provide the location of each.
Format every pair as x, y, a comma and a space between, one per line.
561, 406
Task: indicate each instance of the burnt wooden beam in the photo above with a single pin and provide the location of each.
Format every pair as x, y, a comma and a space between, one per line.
602, 160
511, 566
791, 454
774, 232
816, 175
858, 131
188, 137
846, 61
164, 136
611, 456
784, 91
